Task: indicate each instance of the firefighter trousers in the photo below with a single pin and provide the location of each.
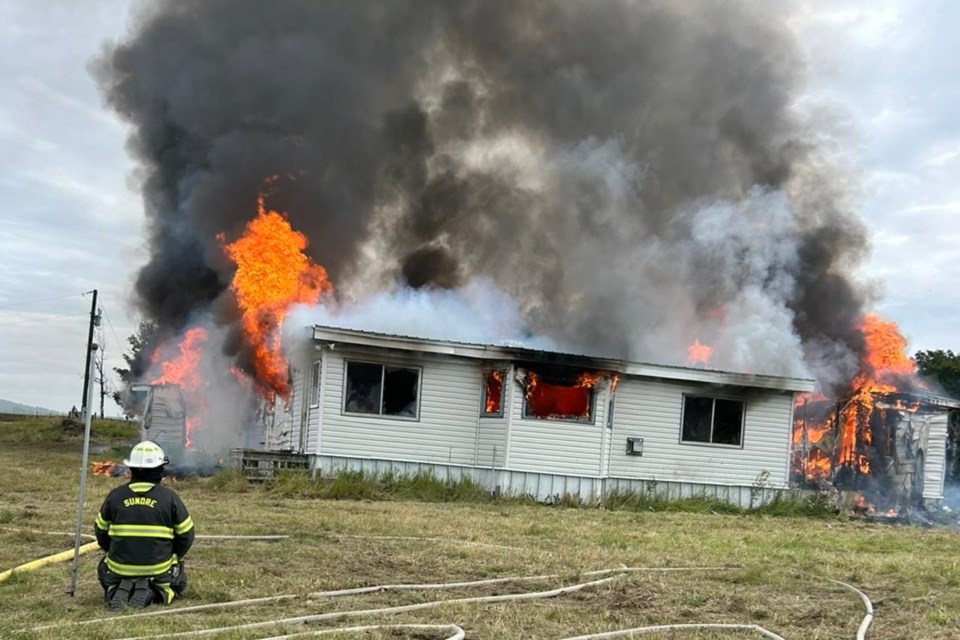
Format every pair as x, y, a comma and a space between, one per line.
165, 586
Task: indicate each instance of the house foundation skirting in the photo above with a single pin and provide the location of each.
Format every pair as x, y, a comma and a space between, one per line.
548, 487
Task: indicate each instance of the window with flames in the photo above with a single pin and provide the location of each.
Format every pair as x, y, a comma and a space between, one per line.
560, 397
493, 394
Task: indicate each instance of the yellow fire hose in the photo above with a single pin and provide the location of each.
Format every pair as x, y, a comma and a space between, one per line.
42, 562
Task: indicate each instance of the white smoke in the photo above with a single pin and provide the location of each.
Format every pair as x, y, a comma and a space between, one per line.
751, 246
225, 402
477, 312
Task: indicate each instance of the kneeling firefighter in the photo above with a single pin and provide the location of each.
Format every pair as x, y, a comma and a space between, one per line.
145, 530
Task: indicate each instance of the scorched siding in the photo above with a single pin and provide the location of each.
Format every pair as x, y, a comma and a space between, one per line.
446, 430
652, 409
555, 446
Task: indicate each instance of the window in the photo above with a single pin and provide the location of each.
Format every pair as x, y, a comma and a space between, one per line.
492, 394
712, 420
382, 390
557, 400
315, 388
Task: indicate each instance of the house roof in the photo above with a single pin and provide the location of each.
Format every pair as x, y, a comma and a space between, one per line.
508, 352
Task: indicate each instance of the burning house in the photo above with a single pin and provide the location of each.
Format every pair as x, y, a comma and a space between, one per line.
891, 448
884, 439
545, 424
648, 182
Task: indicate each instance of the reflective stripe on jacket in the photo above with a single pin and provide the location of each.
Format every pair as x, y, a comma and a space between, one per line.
144, 528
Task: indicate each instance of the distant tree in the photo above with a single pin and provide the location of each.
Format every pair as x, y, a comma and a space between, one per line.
944, 368
100, 373
138, 359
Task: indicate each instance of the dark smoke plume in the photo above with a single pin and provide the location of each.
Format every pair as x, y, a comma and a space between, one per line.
634, 174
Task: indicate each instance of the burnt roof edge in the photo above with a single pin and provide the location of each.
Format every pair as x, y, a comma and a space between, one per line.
499, 352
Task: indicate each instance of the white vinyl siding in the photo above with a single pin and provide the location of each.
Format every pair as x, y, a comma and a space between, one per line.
555, 446
445, 431
652, 410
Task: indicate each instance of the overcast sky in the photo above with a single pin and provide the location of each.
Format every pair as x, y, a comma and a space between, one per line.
72, 219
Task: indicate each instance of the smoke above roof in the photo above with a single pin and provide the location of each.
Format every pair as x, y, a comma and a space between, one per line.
634, 175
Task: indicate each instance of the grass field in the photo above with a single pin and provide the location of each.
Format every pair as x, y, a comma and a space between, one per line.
773, 571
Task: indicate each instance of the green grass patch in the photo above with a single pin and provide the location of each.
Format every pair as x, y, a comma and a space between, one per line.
819, 506
356, 485
648, 502
14, 429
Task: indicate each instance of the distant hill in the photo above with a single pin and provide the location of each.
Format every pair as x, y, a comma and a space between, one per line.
7, 406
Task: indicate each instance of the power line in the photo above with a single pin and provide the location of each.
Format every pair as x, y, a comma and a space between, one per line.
49, 318
115, 337
23, 302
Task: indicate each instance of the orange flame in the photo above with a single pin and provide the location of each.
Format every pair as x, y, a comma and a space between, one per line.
493, 381
103, 468
589, 380
183, 371
614, 381
884, 362
886, 348
272, 274
698, 354
817, 466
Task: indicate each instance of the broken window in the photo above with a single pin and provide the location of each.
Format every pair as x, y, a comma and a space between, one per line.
382, 390
492, 394
315, 387
712, 420
559, 399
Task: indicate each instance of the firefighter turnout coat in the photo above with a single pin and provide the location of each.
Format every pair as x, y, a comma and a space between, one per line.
144, 528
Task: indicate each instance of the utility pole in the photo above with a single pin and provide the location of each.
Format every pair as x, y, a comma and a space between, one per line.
94, 321
83, 478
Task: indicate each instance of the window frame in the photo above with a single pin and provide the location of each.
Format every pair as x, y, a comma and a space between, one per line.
713, 409
383, 372
483, 394
316, 375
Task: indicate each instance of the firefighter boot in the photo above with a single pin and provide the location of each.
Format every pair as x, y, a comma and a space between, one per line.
121, 594
142, 594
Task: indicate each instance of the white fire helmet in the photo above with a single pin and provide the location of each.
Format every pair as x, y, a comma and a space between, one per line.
146, 455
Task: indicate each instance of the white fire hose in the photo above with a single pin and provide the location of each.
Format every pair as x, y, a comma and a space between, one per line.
458, 633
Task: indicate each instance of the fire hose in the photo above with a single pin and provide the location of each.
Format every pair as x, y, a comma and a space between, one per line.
63, 556
458, 633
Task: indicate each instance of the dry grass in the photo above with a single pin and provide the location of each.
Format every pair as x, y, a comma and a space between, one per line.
777, 575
